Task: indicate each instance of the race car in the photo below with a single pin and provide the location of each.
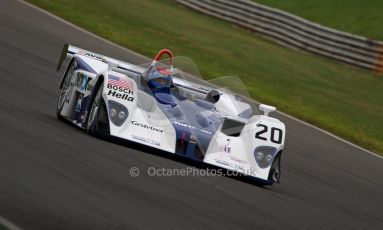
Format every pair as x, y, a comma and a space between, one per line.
166, 105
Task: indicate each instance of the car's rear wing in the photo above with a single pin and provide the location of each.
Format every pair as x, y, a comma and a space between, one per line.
69, 51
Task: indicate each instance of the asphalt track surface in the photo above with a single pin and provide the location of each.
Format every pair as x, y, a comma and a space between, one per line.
54, 176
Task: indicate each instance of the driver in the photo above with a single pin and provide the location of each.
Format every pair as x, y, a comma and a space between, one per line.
160, 79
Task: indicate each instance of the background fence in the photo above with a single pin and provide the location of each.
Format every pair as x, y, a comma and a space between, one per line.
293, 31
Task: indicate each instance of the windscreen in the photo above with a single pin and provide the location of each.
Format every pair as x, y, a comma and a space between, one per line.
196, 108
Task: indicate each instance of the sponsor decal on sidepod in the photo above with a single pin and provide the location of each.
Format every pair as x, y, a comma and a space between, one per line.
147, 140
145, 126
120, 88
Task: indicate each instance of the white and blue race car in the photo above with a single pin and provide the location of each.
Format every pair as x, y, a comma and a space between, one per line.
165, 105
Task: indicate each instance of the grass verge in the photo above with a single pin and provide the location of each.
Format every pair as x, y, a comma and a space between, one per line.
355, 16
337, 97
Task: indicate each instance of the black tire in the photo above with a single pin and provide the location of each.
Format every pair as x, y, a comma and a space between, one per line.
98, 120
64, 89
275, 170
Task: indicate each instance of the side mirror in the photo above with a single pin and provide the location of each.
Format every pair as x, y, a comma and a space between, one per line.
267, 109
212, 96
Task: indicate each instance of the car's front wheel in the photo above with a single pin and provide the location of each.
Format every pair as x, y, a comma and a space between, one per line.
275, 170
98, 120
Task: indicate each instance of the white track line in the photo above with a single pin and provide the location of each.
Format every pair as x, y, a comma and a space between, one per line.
8, 224
121, 47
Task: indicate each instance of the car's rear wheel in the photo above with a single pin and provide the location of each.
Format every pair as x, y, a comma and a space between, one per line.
65, 90
98, 120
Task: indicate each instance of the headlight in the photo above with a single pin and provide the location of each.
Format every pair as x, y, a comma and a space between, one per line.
264, 156
117, 113
269, 158
121, 115
113, 112
259, 156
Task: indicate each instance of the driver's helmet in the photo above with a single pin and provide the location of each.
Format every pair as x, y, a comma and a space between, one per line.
159, 77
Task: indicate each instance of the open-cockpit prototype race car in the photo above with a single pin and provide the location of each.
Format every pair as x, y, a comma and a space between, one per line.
166, 105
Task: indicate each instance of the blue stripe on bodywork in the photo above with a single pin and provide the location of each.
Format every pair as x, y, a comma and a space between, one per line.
202, 139
183, 115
